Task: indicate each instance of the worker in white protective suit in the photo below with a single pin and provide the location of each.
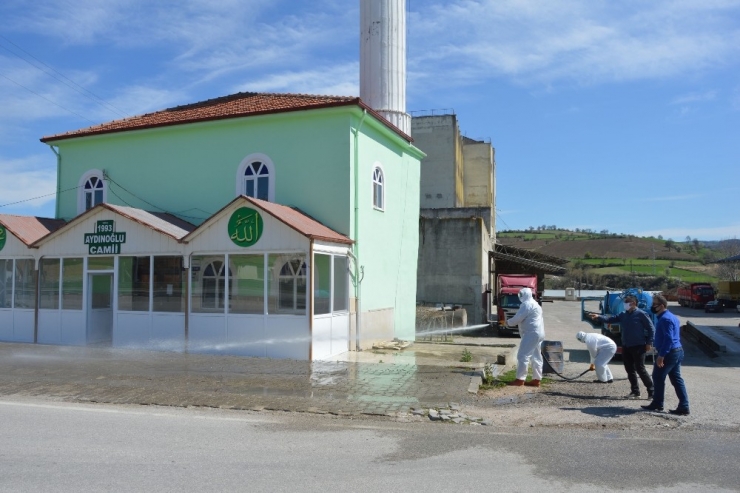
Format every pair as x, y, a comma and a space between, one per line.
532, 329
602, 350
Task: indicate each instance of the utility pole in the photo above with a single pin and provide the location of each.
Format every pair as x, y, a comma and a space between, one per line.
653, 259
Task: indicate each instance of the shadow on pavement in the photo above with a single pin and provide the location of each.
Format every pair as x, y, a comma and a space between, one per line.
604, 411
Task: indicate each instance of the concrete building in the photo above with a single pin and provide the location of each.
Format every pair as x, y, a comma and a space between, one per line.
458, 255
457, 216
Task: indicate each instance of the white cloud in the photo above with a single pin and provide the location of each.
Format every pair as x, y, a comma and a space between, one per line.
337, 80
574, 40
695, 97
27, 178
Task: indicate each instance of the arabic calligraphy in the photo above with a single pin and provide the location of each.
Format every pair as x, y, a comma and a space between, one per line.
245, 227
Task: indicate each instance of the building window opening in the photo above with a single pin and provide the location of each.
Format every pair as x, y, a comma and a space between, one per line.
378, 184
287, 289
6, 283
214, 286
93, 192
257, 180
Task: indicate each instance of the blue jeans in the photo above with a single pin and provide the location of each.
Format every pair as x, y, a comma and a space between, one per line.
671, 368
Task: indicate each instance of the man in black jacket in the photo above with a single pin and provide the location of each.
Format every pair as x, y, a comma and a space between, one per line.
638, 333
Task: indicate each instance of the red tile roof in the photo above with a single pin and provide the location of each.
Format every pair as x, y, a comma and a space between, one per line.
28, 229
233, 106
300, 221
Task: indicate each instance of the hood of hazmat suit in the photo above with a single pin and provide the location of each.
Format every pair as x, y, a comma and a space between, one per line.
529, 315
581, 336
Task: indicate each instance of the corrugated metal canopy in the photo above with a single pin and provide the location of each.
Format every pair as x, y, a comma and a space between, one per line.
547, 264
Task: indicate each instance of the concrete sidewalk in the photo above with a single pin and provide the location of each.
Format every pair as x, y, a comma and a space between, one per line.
369, 382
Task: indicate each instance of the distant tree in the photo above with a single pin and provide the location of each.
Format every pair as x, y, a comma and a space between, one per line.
587, 255
729, 271
660, 237
697, 244
688, 239
604, 231
677, 248
578, 230
669, 244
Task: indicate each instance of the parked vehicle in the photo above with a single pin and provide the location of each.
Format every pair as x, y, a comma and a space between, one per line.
728, 293
613, 304
714, 306
507, 297
695, 295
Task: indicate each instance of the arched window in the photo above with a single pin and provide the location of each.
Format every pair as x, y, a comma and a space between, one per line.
92, 191
256, 177
292, 282
214, 285
378, 189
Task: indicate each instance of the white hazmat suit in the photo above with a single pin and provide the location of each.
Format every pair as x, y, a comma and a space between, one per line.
602, 350
532, 329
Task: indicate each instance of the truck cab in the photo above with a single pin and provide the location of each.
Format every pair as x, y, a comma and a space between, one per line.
507, 298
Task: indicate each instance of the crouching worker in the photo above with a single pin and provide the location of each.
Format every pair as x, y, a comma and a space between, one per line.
532, 329
602, 350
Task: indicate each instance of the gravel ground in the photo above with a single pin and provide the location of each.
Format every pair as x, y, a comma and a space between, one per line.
713, 385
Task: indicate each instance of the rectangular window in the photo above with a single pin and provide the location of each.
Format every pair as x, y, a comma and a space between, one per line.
100, 263
133, 284
208, 283
248, 284
6, 283
341, 284
49, 283
169, 285
262, 187
72, 283
25, 284
322, 284
286, 284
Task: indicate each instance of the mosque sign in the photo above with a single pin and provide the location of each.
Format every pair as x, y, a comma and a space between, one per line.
3, 236
245, 227
105, 240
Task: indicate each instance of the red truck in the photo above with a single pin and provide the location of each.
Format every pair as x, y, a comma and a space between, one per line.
507, 299
695, 295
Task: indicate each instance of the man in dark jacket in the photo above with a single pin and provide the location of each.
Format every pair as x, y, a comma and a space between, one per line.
638, 333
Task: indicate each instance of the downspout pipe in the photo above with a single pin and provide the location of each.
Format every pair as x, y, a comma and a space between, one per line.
358, 269
59, 171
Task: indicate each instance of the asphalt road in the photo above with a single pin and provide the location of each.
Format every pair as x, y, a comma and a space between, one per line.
55, 446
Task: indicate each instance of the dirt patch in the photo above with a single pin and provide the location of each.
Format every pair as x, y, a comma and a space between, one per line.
581, 404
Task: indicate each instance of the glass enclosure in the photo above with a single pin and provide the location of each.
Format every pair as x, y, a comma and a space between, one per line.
72, 283
49, 270
248, 285
25, 284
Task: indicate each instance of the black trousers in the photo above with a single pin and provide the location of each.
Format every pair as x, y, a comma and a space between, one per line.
634, 363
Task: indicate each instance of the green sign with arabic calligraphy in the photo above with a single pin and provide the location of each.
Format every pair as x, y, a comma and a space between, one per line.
245, 227
3, 235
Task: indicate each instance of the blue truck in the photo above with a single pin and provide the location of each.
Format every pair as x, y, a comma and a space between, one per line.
612, 303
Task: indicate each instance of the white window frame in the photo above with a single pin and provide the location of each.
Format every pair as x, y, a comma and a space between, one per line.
241, 188
81, 188
381, 207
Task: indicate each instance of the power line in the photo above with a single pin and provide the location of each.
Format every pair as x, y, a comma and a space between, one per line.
39, 197
74, 86
47, 99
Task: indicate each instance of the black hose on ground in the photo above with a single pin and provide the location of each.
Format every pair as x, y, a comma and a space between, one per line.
552, 369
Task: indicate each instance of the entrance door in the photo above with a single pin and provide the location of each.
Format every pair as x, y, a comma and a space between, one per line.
100, 309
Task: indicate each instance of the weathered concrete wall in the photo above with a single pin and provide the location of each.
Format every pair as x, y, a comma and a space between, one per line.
478, 177
453, 263
442, 169
486, 213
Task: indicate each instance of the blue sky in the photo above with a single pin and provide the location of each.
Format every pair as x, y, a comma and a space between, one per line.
605, 115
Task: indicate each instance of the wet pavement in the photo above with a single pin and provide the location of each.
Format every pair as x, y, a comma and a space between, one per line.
388, 382
384, 382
